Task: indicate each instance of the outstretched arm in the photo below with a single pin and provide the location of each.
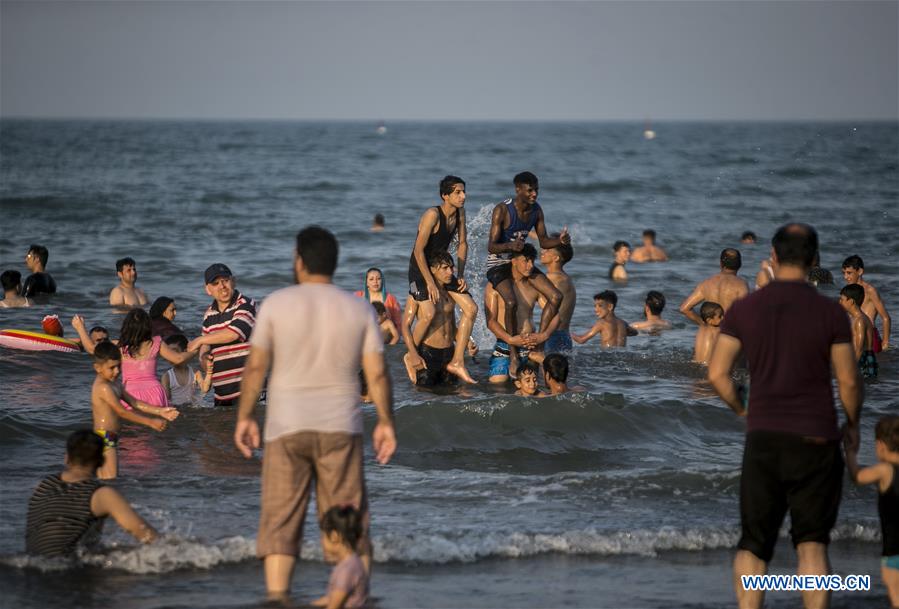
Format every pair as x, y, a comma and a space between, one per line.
112, 401
692, 300
106, 501
86, 342
545, 241
175, 357
727, 348
596, 329
166, 412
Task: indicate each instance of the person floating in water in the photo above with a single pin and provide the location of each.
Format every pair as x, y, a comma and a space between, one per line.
649, 251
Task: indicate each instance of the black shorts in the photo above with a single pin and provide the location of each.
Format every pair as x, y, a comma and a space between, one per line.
436, 361
788, 472
499, 274
418, 289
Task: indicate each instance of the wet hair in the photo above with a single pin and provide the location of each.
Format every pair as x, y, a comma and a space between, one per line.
528, 251
159, 306
795, 244
106, 350
566, 252
99, 329
854, 292
318, 249
556, 367
731, 259
84, 447
121, 263
655, 301
448, 184
529, 366
607, 296
650, 233
10, 279
176, 340
347, 521
748, 235
526, 177
380, 309
136, 330
854, 262
439, 259
619, 244
710, 309
41, 252
887, 431
379, 220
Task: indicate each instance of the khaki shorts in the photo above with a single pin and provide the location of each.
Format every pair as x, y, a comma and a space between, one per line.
289, 466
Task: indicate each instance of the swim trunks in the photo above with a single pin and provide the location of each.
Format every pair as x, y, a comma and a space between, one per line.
499, 360
436, 361
867, 365
110, 438
558, 342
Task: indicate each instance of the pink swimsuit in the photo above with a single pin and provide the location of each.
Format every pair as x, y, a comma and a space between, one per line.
139, 377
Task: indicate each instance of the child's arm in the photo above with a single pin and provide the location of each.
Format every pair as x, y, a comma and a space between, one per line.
596, 329
166, 385
205, 382
168, 413
391, 329
111, 400
86, 342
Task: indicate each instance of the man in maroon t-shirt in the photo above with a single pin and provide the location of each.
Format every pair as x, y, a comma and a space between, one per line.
791, 336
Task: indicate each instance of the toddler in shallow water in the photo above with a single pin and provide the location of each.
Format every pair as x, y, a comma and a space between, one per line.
348, 586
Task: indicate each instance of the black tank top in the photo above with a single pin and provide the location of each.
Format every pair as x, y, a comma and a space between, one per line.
437, 242
612, 269
59, 517
888, 508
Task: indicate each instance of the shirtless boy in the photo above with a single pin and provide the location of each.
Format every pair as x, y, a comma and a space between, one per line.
707, 334
622, 251
126, 294
554, 260
649, 251
853, 272
437, 228
107, 409
427, 362
652, 310
613, 332
510, 224
723, 288
389, 331
12, 290
852, 297
526, 383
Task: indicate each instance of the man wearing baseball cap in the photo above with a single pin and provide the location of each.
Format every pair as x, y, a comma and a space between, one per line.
227, 325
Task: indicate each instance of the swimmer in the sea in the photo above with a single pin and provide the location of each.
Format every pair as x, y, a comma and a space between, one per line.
527, 383
612, 331
40, 281
852, 297
724, 288
652, 310
377, 225
555, 259
555, 375
853, 272
707, 335
389, 332
649, 251
622, 251
126, 294
12, 291
748, 238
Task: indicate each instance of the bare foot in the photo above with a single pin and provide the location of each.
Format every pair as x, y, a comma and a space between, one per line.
411, 370
460, 371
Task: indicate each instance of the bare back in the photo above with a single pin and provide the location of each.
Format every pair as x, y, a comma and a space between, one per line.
706, 337
565, 285
614, 332
724, 288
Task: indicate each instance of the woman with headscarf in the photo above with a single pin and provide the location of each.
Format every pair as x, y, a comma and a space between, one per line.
162, 313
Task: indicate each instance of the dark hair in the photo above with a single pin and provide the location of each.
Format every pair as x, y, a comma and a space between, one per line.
41, 252
607, 296
99, 329
159, 306
439, 258
380, 273
731, 259
854, 262
887, 431
619, 244
379, 220
106, 350
528, 251
121, 263
10, 279
85, 447
655, 301
526, 177
346, 520
795, 244
748, 235
529, 366
136, 330
710, 309
448, 184
854, 292
380, 309
318, 249
566, 252
176, 340
556, 367
650, 233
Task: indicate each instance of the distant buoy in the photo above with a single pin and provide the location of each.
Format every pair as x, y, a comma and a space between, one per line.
649, 134
382, 129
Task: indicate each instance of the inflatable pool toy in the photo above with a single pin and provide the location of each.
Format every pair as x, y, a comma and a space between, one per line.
35, 341
52, 325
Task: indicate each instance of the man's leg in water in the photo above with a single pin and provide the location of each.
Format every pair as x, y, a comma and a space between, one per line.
469, 312
510, 301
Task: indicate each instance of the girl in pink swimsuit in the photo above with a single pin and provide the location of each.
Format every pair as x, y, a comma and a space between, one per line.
139, 352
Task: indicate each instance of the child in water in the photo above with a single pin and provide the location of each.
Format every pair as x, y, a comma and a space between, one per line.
851, 298
341, 528
183, 384
612, 331
527, 381
707, 335
389, 332
107, 396
885, 474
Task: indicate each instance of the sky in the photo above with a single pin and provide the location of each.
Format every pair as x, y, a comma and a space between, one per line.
747, 60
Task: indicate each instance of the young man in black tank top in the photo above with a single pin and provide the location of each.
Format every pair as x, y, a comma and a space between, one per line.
436, 231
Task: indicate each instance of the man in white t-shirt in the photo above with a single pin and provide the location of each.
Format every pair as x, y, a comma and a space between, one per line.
312, 338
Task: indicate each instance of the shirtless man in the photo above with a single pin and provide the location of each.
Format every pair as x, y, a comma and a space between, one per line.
554, 260
622, 251
612, 331
126, 294
723, 288
649, 251
511, 222
436, 230
652, 310
853, 272
427, 360
526, 296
